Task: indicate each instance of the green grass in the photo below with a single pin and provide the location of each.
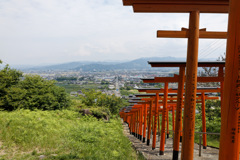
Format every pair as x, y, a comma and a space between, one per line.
62, 135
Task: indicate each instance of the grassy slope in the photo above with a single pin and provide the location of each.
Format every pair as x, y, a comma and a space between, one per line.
61, 135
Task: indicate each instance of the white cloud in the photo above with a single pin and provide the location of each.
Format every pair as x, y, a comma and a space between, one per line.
54, 31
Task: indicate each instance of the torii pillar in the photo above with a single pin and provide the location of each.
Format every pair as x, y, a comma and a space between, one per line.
164, 112
230, 121
178, 125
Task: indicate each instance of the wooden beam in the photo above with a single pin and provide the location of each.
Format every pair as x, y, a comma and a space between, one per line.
179, 8
175, 79
173, 2
185, 34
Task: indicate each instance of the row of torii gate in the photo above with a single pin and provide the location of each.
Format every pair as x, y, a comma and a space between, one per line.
230, 92
143, 116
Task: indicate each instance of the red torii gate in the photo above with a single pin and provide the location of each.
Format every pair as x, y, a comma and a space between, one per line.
135, 124
157, 91
194, 7
180, 80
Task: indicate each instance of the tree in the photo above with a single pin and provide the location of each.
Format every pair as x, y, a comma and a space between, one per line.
98, 99
8, 78
34, 92
29, 92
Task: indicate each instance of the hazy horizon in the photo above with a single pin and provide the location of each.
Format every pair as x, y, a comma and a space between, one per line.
36, 32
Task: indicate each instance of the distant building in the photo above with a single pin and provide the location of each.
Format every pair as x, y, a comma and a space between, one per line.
135, 86
111, 86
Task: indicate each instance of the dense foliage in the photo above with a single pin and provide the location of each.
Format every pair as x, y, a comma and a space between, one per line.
29, 92
213, 116
93, 98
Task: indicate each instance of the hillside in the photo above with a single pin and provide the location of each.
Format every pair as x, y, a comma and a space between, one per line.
137, 64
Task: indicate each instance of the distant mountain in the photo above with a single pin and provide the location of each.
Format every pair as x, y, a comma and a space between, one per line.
137, 64
64, 66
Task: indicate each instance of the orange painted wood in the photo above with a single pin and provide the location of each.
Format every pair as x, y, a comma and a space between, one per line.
230, 122
159, 130
155, 122
141, 122
178, 120
191, 88
164, 113
185, 34
173, 118
167, 122
145, 122
149, 123
173, 2
179, 8
204, 121
175, 79
183, 64
220, 73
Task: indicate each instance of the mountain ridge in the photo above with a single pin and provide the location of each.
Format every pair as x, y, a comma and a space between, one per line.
137, 64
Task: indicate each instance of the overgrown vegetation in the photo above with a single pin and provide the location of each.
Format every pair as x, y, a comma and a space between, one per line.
61, 134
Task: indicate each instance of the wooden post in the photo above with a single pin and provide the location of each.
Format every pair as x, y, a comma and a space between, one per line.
159, 130
230, 122
167, 123
133, 122
145, 122
149, 124
155, 122
191, 87
164, 112
173, 118
220, 74
136, 135
204, 122
141, 121
178, 121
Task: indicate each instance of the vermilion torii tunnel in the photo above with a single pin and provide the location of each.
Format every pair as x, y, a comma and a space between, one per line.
230, 128
145, 112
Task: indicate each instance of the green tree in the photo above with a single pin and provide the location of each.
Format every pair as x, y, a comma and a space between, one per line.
98, 99
8, 78
33, 92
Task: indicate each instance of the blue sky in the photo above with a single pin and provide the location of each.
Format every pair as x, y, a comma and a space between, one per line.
35, 32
